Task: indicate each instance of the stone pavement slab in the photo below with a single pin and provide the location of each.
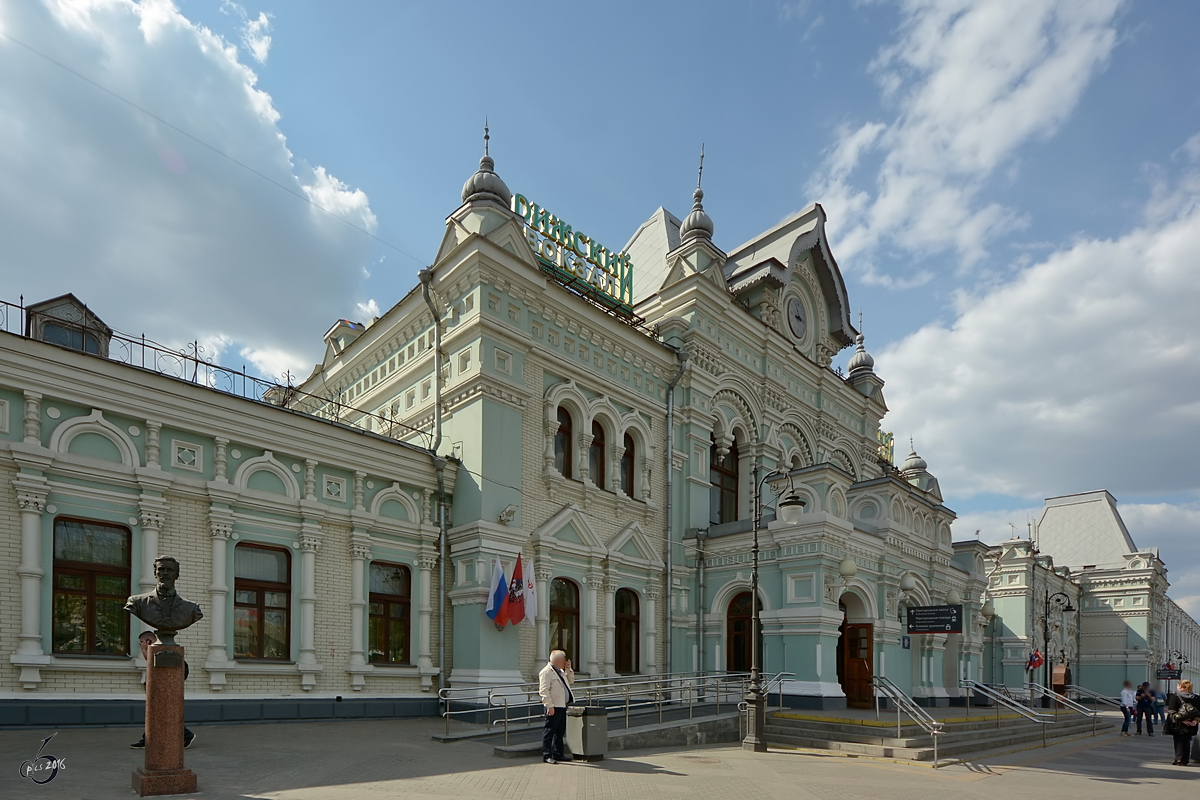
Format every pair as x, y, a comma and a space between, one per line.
332, 760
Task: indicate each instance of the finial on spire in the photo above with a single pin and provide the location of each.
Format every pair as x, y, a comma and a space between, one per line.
911, 446
860, 319
485, 135
700, 172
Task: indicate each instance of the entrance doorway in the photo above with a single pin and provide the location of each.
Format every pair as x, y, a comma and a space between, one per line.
856, 653
739, 636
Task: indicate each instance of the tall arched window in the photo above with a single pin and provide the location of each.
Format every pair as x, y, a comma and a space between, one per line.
596, 457
628, 633
723, 500
564, 617
262, 599
388, 604
627, 461
91, 583
562, 443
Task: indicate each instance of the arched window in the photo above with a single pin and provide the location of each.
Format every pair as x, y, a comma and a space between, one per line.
389, 607
562, 443
628, 633
564, 617
627, 462
739, 637
91, 582
723, 500
596, 457
262, 599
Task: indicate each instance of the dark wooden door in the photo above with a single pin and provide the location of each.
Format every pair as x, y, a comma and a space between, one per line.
739, 639
857, 657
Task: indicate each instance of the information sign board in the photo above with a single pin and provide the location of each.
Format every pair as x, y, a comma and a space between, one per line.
935, 619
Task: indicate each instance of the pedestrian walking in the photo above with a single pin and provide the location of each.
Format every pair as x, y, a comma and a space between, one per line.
1160, 705
1128, 706
1144, 709
554, 686
1183, 717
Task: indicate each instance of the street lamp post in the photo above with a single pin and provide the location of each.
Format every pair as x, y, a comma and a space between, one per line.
788, 510
1062, 602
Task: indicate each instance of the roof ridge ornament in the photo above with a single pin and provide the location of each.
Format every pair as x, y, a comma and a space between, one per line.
698, 224
485, 182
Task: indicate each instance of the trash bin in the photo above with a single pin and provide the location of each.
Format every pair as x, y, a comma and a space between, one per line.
587, 732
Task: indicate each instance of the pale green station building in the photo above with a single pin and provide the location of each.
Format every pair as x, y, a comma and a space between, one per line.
609, 416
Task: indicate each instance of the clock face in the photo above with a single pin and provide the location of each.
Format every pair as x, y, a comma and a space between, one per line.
796, 318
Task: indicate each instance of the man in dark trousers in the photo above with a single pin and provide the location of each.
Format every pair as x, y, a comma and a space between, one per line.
1145, 708
146, 639
554, 685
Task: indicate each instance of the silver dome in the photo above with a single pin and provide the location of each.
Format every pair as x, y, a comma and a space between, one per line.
861, 360
698, 223
486, 182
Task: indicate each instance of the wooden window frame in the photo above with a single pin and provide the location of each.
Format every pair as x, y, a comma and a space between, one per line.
597, 460
628, 470
563, 446
726, 482
389, 600
261, 587
626, 619
89, 572
561, 613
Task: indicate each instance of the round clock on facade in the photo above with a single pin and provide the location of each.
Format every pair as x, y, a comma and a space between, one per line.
796, 319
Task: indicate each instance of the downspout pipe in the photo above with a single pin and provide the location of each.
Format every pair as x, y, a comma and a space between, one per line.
683, 356
439, 466
701, 536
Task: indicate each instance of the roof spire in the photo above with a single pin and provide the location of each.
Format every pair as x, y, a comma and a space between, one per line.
485, 135
697, 223
700, 172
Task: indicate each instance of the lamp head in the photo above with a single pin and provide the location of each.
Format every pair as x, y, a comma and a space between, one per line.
847, 569
907, 583
791, 508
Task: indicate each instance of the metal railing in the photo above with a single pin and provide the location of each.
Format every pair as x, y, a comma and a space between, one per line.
519, 705
904, 704
189, 363
1094, 696
1064, 702
1012, 705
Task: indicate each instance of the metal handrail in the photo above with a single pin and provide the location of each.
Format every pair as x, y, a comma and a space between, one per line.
905, 703
1066, 702
779, 678
1011, 705
1093, 695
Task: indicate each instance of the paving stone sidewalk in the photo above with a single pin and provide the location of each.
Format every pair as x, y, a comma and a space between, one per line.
382, 759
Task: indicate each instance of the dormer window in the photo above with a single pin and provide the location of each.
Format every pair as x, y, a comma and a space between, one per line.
67, 322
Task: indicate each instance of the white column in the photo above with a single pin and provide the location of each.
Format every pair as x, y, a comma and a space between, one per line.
220, 527
153, 513
610, 626
360, 554
31, 501
591, 658
32, 419
649, 651
310, 542
584, 441
542, 576
425, 666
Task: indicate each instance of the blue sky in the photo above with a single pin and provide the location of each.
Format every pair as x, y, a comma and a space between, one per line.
1012, 187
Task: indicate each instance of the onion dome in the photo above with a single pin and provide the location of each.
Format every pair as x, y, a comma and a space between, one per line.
485, 183
914, 463
698, 223
861, 360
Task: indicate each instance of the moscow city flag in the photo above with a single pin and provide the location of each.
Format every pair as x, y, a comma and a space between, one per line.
497, 604
514, 610
1035, 660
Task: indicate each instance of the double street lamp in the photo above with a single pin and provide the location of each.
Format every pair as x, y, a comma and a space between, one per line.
1062, 602
788, 510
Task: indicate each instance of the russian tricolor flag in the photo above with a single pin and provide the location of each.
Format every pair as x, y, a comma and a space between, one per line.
497, 604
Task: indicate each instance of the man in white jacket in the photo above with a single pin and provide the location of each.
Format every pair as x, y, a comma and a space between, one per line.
1128, 707
554, 685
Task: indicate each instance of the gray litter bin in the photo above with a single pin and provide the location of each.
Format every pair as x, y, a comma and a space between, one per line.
587, 732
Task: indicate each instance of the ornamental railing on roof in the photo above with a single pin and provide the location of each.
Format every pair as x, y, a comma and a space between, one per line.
190, 364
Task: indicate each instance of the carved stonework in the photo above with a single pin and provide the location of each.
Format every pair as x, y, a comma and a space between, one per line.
595, 582
309, 544
152, 446
33, 418
610, 585
152, 518
542, 574
219, 459
426, 563
28, 501
219, 529
426, 505
359, 479
360, 550
310, 479
830, 588
653, 592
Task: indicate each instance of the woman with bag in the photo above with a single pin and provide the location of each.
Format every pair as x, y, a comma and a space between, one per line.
1183, 717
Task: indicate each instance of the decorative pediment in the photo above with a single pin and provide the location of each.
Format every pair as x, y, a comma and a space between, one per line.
632, 546
569, 530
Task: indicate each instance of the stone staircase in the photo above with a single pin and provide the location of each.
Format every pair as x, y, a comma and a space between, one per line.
964, 737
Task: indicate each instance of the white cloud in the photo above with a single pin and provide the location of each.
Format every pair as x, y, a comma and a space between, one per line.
154, 231
971, 82
256, 33
368, 310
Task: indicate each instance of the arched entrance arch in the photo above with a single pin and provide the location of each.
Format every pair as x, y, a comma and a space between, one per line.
739, 633
855, 653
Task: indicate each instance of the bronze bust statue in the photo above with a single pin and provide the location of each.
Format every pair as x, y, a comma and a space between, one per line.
163, 609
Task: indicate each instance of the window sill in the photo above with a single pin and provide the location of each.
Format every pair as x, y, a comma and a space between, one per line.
246, 667
65, 663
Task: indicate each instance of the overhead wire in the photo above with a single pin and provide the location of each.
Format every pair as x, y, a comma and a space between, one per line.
206, 145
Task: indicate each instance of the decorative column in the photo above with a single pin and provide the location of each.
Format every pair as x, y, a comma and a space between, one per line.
615, 454
542, 575
360, 554
310, 542
153, 456
220, 459
32, 491
152, 511
595, 582
220, 528
425, 666
33, 418
653, 593
359, 480
310, 479
610, 626
551, 428
585, 445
